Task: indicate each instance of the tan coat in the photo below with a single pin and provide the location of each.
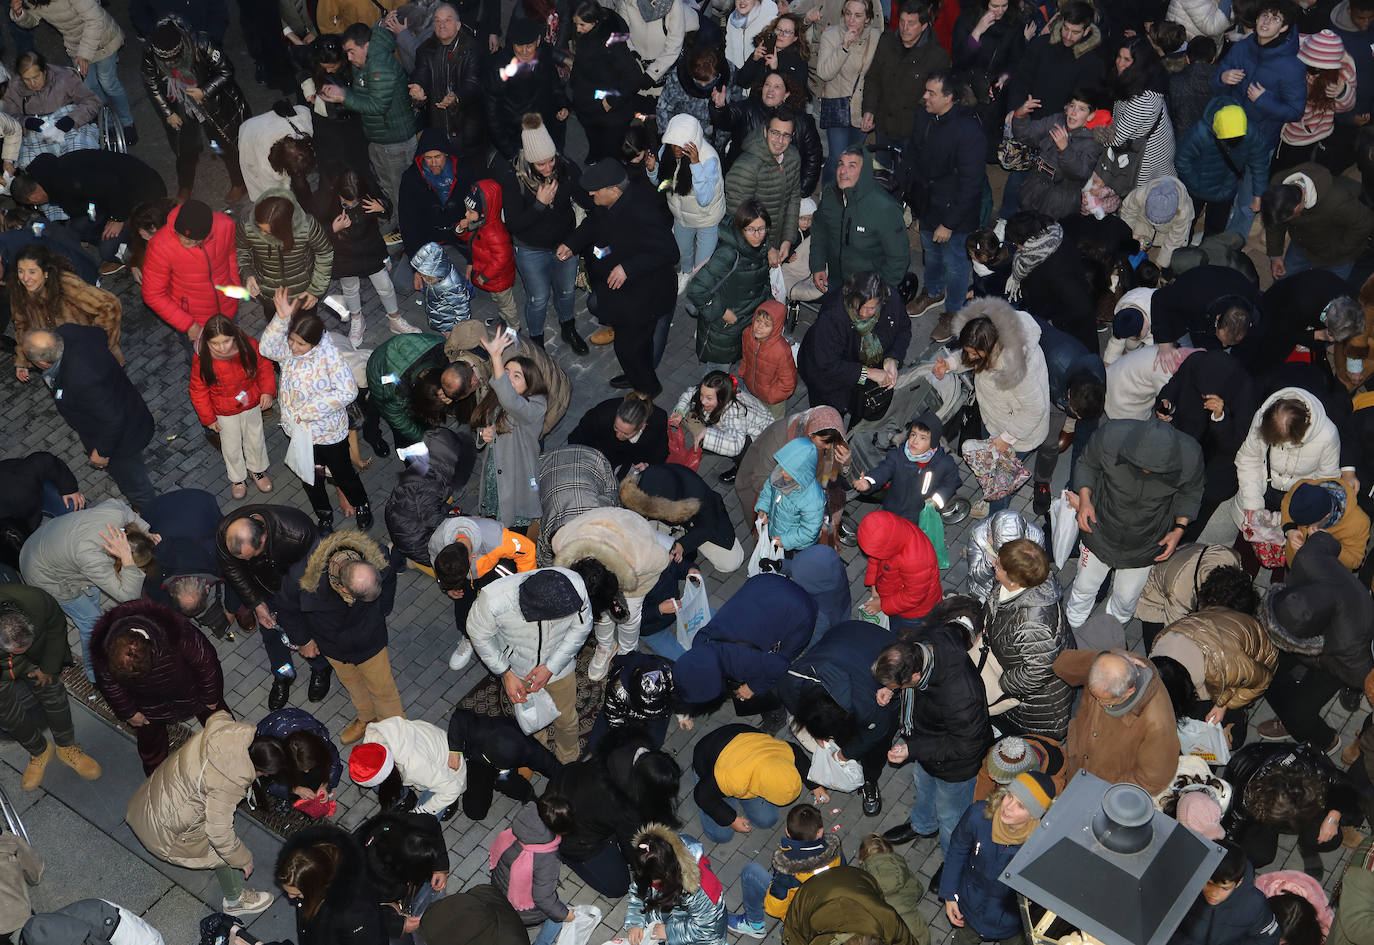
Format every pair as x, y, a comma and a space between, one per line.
1352, 531
20, 868
184, 813
335, 16
842, 72
1237, 654
1171, 590
1140, 747
622, 540
88, 31
82, 304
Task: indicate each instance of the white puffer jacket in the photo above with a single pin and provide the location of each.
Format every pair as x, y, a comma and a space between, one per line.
88, 31
420, 752
1259, 465
1014, 393
505, 640
1198, 17
704, 204
1133, 383
739, 39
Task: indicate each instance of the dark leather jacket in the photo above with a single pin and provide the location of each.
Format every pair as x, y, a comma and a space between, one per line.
291, 534
224, 106
441, 68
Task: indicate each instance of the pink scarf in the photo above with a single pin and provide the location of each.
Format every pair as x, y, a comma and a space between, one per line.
520, 887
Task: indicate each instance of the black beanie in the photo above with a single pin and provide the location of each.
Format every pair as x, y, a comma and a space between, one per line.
194, 220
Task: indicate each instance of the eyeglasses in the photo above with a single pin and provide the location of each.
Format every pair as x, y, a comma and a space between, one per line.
784, 32
756, 229
780, 135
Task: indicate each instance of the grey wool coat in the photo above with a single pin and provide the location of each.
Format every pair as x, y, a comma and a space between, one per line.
516, 454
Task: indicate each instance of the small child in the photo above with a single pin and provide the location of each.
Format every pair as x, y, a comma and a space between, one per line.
914, 471
524, 864
991, 262
900, 887
791, 502
804, 850
447, 293
767, 368
796, 269
483, 238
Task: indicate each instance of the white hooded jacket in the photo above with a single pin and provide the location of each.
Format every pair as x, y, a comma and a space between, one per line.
420, 753
705, 205
1258, 465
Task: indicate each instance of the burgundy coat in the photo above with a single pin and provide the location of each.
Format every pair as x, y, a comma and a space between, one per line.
186, 676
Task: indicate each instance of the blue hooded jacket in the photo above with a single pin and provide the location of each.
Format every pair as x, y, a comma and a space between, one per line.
794, 518
447, 300
1283, 76
820, 571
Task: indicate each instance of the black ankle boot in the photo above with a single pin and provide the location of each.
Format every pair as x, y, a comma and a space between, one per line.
364, 514
575, 341
538, 340
325, 521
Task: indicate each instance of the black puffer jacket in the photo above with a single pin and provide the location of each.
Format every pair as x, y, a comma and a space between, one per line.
499, 742
1253, 762
530, 222
950, 731
351, 913
441, 68
291, 534
536, 89
1026, 634
639, 690
602, 65
224, 106
742, 117
358, 248
673, 494
422, 496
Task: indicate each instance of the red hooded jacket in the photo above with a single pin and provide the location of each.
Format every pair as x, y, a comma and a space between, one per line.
179, 282
222, 398
902, 569
493, 255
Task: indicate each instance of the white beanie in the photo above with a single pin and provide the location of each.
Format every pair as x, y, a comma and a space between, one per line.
807, 208
535, 143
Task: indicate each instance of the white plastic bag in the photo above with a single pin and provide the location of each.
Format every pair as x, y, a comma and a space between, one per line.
1063, 528
879, 618
1204, 739
300, 451
579, 930
536, 712
778, 284
693, 612
764, 549
829, 771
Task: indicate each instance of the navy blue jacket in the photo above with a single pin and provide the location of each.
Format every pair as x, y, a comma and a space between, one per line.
828, 359
1242, 918
751, 639
942, 171
202, 16
288, 719
904, 477
820, 571
96, 397
1065, 359
349, 634
187, 520
973, 876
1182, 308
1283, 76
842, 664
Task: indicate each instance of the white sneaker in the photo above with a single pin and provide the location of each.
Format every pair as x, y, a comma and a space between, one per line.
356, 324
399, 326
682, 279
601, 663
250, 903
462, 656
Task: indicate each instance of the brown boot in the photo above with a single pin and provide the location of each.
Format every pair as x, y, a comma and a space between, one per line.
602, 336
1350, 754
235, 194
353, 732
1350, 837
33, 774
83, 764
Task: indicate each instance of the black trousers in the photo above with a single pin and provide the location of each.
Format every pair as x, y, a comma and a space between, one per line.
188, 142
634, 349
1298, 699
1261, 842
334, 456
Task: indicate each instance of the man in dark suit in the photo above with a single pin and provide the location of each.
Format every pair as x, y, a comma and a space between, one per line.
99, 403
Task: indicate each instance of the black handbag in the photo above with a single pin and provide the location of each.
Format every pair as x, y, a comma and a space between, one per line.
872, 401
1119, 165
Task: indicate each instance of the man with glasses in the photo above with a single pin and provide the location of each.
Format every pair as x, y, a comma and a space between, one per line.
769, 170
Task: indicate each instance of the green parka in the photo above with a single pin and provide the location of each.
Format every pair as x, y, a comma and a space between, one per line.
756, 173
734, 278
859, 230
380, 93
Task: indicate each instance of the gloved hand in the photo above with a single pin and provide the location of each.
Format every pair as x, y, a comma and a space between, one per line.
65, 124
33, 123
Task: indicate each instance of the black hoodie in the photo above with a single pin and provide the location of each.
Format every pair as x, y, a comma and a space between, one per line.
351, 913
427, 215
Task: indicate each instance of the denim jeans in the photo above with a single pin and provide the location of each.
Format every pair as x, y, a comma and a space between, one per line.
1296, 261
939, 803
661, 328
53, 503
84, 611
1242, 217
130, 473
91, 230
543, 276
757, 811
753, 886
836, 140
947, 267
694, 244
1011, 194
548, 932
103, 79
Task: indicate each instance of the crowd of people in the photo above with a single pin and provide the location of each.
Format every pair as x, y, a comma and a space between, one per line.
744, 163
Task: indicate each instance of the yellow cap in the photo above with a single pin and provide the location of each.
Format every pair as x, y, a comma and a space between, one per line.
1229, 122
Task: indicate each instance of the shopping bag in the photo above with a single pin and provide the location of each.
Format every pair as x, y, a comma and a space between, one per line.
579, 930
693, 611
300, 451
1262, 530
990, 672
1063, 528
934, 527
999, 474
879, 618
1205, 739
536, 712
777, 284
678, 450
764, 549
829, 771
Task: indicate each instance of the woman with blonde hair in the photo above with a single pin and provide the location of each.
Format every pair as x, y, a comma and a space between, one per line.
847, 50
45, 293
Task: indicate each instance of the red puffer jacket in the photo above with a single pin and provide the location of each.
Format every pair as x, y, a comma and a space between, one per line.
902, 569
223, 398
179, 282
493, 255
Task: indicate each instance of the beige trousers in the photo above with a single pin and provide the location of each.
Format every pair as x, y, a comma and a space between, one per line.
372, 688
242, 444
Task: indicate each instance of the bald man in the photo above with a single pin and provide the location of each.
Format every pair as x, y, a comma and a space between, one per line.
256, 546
1124, 729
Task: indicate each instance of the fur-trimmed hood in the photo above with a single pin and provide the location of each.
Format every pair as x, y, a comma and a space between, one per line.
1017, 332
620, 539
655, 507
793, 857
363, 546
687, 860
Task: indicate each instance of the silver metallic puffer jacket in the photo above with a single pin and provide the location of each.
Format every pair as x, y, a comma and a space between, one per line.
984, 541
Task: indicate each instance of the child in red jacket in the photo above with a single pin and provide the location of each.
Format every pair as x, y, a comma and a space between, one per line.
484, 239
231, 385
767, 367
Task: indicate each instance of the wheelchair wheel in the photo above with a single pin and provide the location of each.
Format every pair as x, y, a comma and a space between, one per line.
111, 131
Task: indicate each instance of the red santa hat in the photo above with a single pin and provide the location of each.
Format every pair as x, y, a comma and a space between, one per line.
370, 764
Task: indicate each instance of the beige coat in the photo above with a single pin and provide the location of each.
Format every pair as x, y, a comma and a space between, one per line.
622, 540
88, 31
20, 868
1238, 657
184, 813
842, 72
1171, 590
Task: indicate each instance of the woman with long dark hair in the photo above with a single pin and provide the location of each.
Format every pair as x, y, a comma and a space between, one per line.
45, 293
605, 80
323, 872
509, 417
721, 418
407, 862
294, 758
337, 131
780, 48
989, 37
230, 388
1139, 111
279, 244
675, 898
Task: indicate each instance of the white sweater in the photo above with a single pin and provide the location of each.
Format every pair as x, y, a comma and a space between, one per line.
1133, 383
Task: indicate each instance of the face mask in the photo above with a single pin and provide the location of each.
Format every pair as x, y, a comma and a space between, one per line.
980, 269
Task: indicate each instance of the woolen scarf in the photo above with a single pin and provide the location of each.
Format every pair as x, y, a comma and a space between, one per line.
1011, 836
520, 886
1032, 253
870, 346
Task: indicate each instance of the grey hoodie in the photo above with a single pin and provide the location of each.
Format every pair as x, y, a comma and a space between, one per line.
528, 828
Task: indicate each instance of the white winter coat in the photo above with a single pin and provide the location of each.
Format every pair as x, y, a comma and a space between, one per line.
256, 137
88, 31
658, 43
1259, 466
1198, 17
739, 40
1133, 383
705, 204
504, 640
420, 752
1136, 298
1013, 394
1171, 235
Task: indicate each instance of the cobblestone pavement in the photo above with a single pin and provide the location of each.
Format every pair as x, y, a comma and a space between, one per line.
422, 634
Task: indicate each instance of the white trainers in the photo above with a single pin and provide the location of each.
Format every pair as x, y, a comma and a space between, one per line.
250, 903
462, 656
682, 279
399, 326
356, 324
601, 662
